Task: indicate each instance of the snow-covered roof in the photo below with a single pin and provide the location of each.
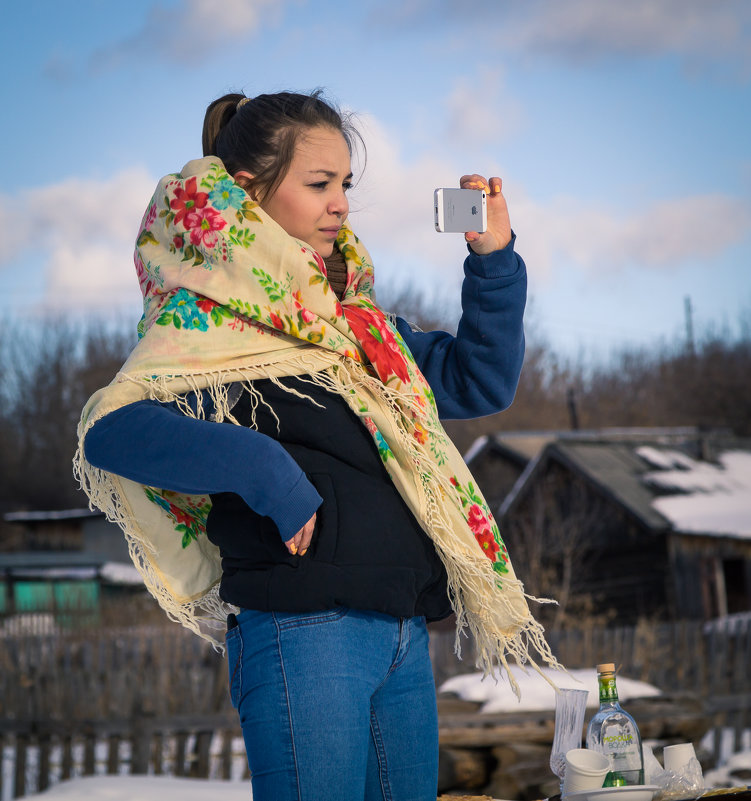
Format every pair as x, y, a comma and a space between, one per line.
702, 497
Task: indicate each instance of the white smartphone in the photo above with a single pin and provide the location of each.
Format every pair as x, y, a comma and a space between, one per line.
460, 210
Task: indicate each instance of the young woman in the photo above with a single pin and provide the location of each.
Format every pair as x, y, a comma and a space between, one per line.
272, 448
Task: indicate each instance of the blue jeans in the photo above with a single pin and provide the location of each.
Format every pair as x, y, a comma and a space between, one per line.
335, 706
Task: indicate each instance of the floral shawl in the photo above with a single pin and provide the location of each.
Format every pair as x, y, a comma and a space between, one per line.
230, 296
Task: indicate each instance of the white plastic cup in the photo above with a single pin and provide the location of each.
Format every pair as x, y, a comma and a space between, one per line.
677, 757
585, 770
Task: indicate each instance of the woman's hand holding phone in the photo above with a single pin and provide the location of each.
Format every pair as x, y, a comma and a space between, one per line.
498, 233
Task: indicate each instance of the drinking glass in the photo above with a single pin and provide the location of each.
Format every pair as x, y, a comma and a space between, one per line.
570, 706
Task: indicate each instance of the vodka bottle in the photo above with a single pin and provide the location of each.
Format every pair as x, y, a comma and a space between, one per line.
613, 732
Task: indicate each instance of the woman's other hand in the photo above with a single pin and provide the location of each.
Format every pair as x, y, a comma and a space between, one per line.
498, 234
300, 543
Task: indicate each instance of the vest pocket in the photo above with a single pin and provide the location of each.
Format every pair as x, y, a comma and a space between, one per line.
325, 533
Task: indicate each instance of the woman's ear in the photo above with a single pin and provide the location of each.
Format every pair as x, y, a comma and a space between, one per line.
243, 178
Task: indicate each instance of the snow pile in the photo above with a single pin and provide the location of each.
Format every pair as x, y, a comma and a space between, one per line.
145, 788
120, 573
734, 773
537, 694
666, 459
707, 498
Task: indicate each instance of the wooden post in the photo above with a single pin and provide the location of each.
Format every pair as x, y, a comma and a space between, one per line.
67, 762
226, 755
45, 747
89, 754
113, 754
181, 739
19, 785
201, 762
158, 757
140, 746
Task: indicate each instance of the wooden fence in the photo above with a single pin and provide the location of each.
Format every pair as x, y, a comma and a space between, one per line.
155, 700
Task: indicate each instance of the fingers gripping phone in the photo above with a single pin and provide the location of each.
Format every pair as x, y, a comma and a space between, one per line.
460, 210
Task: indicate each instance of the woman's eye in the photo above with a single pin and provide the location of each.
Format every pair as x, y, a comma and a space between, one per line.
320, 185
347, 185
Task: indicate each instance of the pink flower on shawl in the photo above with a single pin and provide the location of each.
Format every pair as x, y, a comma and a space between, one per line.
276, 321
483, 532
306, 314
144, 279
188, 199
148, 220
377, 340
203, 225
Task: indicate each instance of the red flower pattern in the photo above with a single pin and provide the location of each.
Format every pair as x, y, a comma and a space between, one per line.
187, 200
377, 340
206, 305
181, 516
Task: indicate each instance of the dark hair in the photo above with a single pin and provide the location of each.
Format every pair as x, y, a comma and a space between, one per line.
261, 134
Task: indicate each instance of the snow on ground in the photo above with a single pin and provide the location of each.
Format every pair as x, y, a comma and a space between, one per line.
733, 773
537, 694
145, 788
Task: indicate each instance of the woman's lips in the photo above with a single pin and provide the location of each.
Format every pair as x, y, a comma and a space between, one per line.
332, 232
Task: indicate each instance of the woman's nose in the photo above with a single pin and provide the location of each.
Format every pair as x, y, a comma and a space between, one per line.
339, 204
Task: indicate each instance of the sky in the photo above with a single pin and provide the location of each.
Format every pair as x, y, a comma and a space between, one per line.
621, 132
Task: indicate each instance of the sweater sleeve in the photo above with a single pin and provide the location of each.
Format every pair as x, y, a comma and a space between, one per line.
476, 372
156, 445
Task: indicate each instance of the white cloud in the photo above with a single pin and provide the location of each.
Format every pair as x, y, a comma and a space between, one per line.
392, 211
481, 110
582, 28
699, 31
662, 236
189, 31
85, 231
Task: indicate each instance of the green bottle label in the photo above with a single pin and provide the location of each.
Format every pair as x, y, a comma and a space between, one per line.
608, 693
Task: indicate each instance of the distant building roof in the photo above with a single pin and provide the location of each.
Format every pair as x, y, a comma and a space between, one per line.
526, 445
61, 514
67, 564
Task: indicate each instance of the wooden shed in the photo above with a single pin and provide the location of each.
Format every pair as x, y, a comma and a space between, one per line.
606, 523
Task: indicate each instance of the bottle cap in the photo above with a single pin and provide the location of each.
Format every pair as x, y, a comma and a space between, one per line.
607, 667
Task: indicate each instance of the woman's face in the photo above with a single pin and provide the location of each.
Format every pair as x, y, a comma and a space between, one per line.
311, 202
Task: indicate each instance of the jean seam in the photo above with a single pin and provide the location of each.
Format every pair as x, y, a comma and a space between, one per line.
234, 671
407, 627
289, 708
383, 770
